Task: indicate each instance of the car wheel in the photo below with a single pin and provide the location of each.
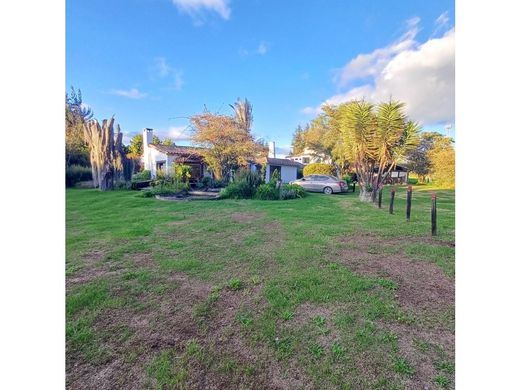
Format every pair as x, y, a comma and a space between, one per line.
327, 190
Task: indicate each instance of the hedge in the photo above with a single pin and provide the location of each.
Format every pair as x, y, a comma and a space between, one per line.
318, 169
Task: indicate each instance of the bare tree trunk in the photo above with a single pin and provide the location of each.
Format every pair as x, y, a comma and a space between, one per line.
101, 143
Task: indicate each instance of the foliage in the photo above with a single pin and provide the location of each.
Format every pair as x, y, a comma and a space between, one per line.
166, 188
318, 168
142, 176
77, 173
298, 141
182, 172
419, 159
291, 191
234, 284
76, 114
266, 192
135, 149
227, 141
374, 138
168, 142
442, 157
253, 179
275, 177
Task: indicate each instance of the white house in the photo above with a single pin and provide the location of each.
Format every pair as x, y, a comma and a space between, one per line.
287, 168
309, 156
161, 157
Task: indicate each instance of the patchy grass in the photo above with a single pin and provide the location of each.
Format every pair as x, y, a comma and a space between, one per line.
319, 292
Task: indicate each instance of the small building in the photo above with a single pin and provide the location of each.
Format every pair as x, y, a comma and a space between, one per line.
399, 175
287, 168
309, 156
161, 157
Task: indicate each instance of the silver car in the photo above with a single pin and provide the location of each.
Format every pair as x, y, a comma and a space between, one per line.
322, 183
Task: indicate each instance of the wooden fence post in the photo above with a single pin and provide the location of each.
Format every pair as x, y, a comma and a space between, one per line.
392, 197
408, 203
434, 214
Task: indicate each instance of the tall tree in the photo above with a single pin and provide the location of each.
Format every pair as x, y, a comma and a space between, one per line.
228, 144
375, 139
298, 141
442, 157
167, 141
243, 114
135, 149
76, 114
418, 160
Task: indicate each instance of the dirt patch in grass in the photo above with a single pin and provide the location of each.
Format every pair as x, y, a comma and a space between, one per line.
245, 217
92, 267
422, 285
424, 291
141, 259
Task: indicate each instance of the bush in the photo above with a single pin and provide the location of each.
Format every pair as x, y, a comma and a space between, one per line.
76, 173
291, 191
413, 180
208, 182
238, 190
244, 186
166, 189
347, 179
318, 169
144, 175
266, 192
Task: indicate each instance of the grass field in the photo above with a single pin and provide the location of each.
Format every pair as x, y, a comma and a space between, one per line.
323, 292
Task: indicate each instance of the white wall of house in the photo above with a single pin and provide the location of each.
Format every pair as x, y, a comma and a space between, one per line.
287, 174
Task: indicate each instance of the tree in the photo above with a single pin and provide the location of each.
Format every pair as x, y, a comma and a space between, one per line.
227, 141
374, 139
418, 160
243, 114
168, 142
76, 114
135, 149
442, 157
107, 157
298, 141
318, 169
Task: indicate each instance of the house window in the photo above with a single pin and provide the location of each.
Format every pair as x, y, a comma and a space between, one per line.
160, 165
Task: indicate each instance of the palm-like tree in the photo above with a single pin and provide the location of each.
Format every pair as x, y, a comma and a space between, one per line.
243, 114
374, 140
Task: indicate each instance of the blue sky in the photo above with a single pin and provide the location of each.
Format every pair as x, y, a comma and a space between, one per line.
152, 63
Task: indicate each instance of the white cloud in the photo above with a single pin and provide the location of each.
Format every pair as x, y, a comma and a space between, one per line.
194, 8
262, 48
441, 23
178, 80
161, 68
176, 133
420, 75
371, 64
132, 93
310, 110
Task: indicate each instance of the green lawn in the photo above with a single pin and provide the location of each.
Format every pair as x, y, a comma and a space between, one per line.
321, 292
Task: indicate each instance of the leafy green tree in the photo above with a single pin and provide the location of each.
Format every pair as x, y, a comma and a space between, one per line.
135, 149
419, 159
168, 142
298, 141
76, 114
442, 157
374, 139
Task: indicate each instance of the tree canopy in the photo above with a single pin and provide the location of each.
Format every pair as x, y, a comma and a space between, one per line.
227, 140
373, 138
76, 114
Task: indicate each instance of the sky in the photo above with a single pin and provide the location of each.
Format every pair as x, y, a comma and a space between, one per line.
154, 63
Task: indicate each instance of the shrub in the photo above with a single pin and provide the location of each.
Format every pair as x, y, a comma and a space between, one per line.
253, 179
347, 179
238, 190
76, 173
244, 186
144, 175
166, 189
318, 169
291, 191
413, 180
266, 192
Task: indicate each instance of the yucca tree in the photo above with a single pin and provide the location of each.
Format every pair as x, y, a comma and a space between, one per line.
374, 139
243, 114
